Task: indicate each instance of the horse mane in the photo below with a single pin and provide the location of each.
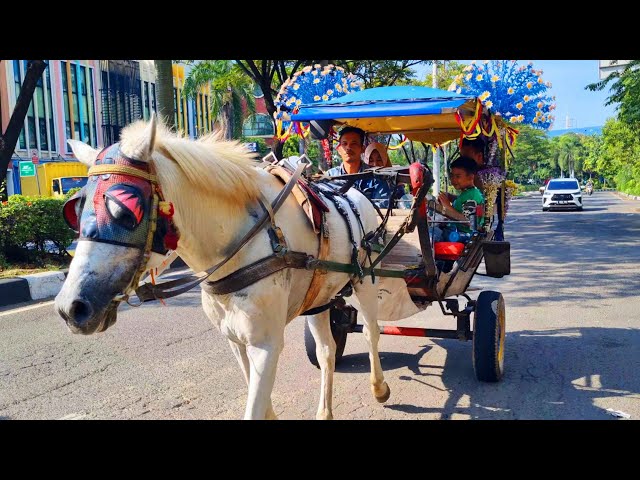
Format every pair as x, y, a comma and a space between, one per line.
210, 164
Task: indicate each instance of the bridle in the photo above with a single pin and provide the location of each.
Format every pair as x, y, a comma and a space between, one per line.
132, 191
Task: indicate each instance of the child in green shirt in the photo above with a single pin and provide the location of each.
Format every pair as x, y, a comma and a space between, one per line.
462, 174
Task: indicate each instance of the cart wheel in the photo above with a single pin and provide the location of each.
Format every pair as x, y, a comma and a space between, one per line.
488, 336
340, 321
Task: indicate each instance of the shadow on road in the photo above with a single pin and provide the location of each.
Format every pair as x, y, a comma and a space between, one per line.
559, 257
603, 365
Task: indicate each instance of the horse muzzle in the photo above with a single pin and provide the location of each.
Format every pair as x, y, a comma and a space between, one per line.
81, 317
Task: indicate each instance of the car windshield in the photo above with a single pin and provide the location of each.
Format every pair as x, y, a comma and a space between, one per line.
563, 185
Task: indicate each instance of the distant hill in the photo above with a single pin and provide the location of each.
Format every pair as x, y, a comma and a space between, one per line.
581, 131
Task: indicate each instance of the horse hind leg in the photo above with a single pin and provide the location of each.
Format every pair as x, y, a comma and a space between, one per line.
326, 355
240, 352
367, 295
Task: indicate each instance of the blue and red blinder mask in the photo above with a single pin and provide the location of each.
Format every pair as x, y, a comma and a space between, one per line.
115, 207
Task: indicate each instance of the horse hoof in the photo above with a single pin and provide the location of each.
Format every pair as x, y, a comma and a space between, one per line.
324, 415
385, 396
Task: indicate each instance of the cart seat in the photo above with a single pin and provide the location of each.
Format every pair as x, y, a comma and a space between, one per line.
448, 250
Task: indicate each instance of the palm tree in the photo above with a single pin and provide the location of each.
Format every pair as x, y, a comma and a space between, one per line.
569, 153
229, 85
164, 83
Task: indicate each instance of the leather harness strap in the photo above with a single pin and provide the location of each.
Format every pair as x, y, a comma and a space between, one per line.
264, 267
256, 271
316, 280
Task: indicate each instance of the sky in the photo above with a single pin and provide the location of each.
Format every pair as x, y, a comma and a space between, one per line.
568, 79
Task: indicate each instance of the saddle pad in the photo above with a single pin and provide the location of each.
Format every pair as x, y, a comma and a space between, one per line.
311, 203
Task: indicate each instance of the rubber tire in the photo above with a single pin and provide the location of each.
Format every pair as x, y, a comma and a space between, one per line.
339, 332
545, 209
488, 337
579, 209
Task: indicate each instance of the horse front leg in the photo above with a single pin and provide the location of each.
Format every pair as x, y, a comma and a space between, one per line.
326, 355
367, 294
263, 361
240, 352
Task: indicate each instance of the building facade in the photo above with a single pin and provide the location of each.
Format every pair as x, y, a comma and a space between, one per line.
93, 100
605, 67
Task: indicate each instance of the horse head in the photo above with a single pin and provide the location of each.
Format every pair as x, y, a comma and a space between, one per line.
115, 217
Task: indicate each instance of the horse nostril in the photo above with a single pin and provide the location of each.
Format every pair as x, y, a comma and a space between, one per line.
80, 312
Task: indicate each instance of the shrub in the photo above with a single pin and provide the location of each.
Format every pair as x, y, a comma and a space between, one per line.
28, 225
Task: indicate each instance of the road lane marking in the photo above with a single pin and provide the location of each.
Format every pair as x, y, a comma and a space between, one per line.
28, 307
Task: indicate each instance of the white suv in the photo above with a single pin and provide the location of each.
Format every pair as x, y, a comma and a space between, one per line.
562, 193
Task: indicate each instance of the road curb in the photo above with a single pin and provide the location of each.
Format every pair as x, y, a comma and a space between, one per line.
630, 197
44, 284
14, 290
38, 286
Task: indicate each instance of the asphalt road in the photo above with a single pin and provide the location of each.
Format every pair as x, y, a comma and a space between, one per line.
572, 345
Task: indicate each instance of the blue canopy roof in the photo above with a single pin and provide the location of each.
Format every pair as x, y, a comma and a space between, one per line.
384, 101
420, 113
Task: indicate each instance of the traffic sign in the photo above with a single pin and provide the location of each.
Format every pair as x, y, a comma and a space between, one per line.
27, 169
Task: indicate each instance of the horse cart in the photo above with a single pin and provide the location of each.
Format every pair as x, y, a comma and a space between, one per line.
432, 271
267, 253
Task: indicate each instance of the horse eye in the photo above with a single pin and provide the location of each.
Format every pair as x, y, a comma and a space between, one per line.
121, 215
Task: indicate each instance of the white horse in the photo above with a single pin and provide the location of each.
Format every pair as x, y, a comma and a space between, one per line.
214, 186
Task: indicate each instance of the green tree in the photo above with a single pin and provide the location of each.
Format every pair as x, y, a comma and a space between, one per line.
379, 73
229, 86
625, 91
531, 155
566, 153
593, 145
621, 156
9, 136
269, 75
447, 70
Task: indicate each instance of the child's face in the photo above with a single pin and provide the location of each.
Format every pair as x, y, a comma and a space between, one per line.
460, 179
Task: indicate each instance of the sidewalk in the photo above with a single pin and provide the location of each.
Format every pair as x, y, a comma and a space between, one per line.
44, 285
627, 196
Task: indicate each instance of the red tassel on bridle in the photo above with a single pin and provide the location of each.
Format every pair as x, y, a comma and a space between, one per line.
166, 210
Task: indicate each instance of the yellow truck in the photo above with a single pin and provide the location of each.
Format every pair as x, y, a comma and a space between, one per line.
54, 178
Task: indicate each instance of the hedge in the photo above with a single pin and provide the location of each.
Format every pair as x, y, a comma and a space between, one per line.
29, 225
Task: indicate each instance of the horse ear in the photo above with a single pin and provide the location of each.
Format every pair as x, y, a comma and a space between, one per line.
151, 133
83, 152
144, 149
